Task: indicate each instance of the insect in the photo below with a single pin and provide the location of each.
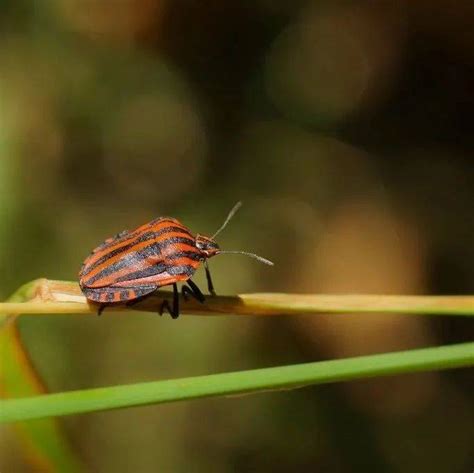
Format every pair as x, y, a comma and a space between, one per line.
133, 264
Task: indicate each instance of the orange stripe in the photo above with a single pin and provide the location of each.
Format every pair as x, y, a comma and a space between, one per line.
133, 236
112, 278
138, 246
177, 247
163, 281
159, 224
185, 261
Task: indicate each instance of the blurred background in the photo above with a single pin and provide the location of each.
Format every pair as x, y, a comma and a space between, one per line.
346, 129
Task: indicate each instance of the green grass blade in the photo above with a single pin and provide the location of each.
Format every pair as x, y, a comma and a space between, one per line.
285, 377
45, 445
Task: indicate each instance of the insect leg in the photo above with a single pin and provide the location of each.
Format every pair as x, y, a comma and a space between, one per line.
192, 290
185, 291
210, 286
173, 311
101, 308
164, 306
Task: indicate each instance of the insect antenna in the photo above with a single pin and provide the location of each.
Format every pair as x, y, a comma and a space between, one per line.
227, 220
252, 255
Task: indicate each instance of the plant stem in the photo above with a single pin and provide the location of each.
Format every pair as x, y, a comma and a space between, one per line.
237, 383
63, 297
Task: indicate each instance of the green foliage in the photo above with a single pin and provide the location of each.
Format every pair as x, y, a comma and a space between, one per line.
283, 377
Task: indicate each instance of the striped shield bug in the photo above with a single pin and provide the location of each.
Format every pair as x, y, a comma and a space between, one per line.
133, 264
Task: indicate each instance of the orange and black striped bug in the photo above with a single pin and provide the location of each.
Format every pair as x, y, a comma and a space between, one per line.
133, 264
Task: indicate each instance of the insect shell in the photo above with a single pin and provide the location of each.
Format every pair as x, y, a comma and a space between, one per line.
134, 264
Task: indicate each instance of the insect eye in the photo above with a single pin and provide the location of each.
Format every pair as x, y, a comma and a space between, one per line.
201, 244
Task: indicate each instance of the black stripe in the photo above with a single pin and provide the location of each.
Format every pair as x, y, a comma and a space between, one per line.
162, 267
194, 255
130, 258
158, 248
165, 243
143, 237
124, 295
186, 269
144, 290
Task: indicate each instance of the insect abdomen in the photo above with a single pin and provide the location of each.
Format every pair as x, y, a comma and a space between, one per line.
116, 294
